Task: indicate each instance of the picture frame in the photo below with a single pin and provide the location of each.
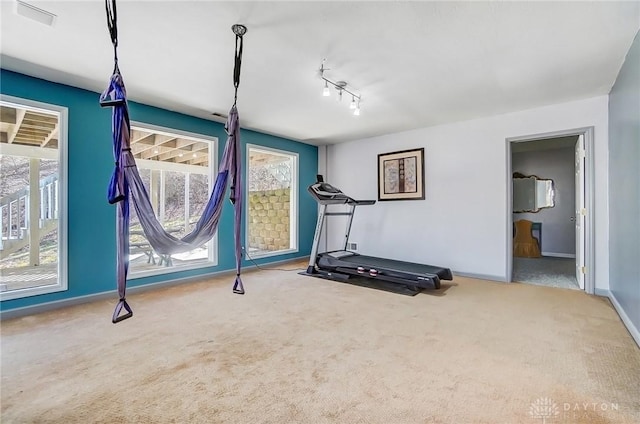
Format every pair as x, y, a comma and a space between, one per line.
401, 175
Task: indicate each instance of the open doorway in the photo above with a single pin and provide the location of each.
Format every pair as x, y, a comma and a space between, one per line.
550, 192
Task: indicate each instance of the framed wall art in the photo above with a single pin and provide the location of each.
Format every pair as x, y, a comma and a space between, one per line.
401, 175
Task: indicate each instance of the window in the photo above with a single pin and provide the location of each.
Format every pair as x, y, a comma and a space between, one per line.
272, 201
177, 169
33, 252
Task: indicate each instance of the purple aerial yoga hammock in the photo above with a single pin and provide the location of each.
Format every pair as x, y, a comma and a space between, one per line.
126, 180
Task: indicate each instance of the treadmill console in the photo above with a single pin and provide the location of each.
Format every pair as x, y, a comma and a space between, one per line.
326, 193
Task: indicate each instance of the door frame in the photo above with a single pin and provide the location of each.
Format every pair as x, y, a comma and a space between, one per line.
589, 182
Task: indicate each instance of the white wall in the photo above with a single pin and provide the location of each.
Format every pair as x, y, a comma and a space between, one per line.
462, 223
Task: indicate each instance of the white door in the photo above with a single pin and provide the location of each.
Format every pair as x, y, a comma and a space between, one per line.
580, 212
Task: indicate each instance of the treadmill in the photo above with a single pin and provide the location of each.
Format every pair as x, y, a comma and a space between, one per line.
343, 265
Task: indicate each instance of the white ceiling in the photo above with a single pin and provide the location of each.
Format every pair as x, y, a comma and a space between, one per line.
416, 64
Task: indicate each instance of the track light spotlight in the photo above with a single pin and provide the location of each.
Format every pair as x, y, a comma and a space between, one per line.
326, 92
342, 87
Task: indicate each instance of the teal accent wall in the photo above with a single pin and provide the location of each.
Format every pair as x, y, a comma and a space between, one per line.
91, 235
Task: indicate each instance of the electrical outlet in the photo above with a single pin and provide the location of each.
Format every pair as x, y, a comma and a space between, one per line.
352, 246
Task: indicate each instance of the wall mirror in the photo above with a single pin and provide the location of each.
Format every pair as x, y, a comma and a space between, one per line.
530, 193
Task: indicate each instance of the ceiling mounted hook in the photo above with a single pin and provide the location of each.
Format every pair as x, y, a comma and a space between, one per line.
239, 29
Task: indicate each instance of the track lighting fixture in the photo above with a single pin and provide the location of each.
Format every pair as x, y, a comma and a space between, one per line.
341, 87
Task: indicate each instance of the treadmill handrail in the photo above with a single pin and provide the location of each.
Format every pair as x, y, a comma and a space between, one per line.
362, 202
340, 199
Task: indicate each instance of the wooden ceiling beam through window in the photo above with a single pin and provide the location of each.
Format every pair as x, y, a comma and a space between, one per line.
20, 113
53, 136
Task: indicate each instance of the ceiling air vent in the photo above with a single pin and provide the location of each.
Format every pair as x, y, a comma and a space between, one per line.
35, 13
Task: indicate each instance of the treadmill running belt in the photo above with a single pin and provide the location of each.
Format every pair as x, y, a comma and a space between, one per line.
443, 273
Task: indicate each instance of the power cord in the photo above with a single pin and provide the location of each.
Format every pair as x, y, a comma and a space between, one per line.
267, 269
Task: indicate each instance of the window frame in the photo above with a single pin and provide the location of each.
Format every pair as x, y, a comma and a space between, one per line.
61, 200
213, 172
294, 221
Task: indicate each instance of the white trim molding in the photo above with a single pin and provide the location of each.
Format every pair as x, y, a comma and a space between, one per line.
62, 155
635, 332
293, 202
160, 169
496, 278
559, 255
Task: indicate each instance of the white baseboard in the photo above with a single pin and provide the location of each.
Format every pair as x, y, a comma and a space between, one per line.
113, 294
601, 292
498, 278
559, 255
635, 333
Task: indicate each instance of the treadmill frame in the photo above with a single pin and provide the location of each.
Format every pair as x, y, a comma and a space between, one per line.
410, 283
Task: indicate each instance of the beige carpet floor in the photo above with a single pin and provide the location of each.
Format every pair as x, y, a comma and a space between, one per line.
296, 349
